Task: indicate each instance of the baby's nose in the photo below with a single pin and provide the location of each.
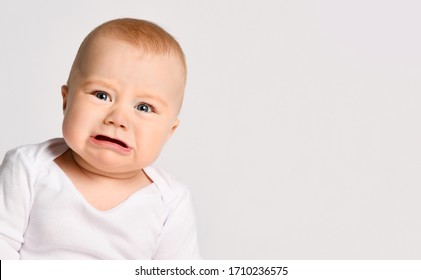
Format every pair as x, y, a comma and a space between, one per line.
116, 118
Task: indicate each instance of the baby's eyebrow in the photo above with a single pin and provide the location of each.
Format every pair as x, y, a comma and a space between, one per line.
154, 97
98, 83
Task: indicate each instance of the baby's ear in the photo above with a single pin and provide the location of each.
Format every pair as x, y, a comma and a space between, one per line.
64, 94
173, 128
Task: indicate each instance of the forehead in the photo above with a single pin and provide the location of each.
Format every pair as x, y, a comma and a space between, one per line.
103, 48
128, 66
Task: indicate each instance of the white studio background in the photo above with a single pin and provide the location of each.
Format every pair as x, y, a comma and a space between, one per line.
300, 134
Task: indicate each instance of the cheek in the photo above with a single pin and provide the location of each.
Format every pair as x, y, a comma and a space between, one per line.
75, 121
70, 122
152, 135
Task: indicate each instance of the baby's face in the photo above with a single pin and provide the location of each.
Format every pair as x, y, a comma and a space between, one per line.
121, 107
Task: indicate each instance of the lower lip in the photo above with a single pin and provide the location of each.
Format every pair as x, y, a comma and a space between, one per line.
111, 145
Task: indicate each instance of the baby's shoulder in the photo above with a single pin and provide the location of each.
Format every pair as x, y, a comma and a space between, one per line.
36, 155
170, 187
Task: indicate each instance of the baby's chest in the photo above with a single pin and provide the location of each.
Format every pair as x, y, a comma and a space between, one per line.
63, 222
103, 199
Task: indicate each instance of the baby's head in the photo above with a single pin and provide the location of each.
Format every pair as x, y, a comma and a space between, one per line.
148, 37
123, 96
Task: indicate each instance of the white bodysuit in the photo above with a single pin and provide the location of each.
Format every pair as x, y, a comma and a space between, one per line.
43, 216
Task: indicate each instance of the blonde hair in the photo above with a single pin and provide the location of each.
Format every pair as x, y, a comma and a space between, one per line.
145, 35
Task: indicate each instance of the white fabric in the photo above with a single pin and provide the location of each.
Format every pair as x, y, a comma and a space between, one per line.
43, 216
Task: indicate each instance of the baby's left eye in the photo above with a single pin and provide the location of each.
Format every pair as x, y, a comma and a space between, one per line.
144, 108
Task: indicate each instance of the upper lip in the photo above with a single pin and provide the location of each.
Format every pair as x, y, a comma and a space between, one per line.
111, 139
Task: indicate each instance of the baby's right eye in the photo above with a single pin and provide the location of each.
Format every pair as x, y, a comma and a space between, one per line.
102, 95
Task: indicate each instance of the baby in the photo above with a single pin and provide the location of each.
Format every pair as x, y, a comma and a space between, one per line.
94, 193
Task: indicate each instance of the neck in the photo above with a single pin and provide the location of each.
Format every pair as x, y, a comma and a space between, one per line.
98, 174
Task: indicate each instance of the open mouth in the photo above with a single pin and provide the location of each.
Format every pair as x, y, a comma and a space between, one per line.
111, 140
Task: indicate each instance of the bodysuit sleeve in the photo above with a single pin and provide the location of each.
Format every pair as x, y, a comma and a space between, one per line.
178, 239
15, 201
